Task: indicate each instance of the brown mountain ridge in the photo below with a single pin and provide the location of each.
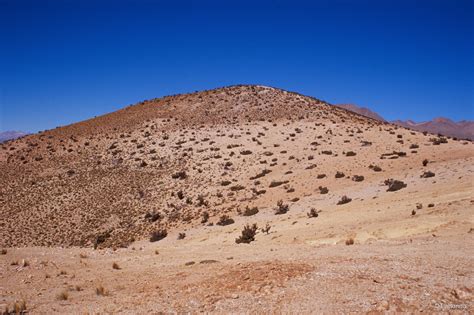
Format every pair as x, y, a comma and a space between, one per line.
463, 129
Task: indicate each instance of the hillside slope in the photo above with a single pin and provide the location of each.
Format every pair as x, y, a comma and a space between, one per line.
162, 164
344, 239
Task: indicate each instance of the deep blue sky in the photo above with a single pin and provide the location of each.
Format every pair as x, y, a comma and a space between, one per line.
64, 61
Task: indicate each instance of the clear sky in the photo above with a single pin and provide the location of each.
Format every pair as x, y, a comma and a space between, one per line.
64, 61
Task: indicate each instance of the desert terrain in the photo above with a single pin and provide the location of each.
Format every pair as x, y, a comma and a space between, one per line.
142, 211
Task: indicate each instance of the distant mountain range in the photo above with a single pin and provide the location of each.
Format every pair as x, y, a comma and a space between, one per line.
361, 110
10, 135
463, 129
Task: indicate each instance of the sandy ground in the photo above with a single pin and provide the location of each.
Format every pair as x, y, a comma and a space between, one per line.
399, 262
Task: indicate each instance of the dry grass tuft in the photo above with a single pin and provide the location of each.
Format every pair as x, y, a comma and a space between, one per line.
19, 307
101, 291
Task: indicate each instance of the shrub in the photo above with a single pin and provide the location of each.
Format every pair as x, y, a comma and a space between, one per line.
277, 183
205, 217
250, 211
438, 141
312, 213
350, 241
281, 208
115, 266
225, 220
321, 176
357, 178
350, 153
394, 185
158, 235
261, 174
425, 162
248, 234
266, 229
181, 236
63, 296
179, 175
201, 201
101, 239
339, 174
323, 190
237, 187
427, 174
377, 168
152, 217
344, 200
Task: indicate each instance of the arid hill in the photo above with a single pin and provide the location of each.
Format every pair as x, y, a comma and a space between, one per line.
119, 177
239, 199
163, 163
